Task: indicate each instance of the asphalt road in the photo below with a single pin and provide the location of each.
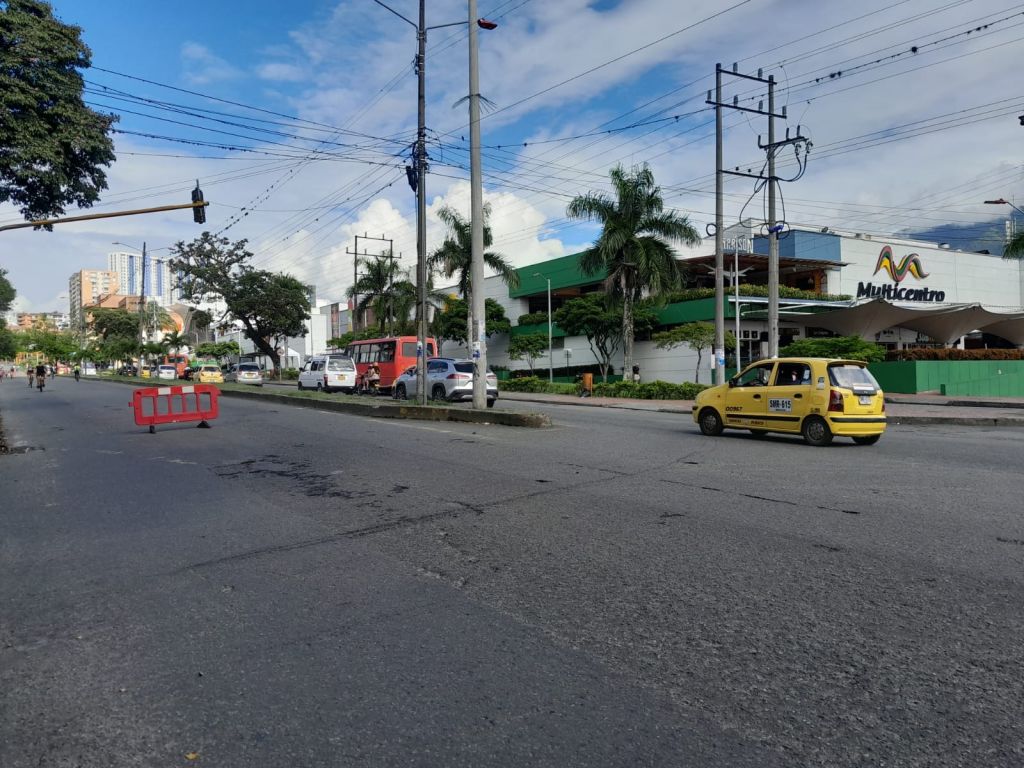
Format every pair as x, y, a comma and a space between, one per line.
301, 588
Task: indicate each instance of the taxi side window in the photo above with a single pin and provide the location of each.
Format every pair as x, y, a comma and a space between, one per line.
793, 374
755, 377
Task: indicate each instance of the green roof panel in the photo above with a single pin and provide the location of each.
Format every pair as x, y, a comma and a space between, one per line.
564, 272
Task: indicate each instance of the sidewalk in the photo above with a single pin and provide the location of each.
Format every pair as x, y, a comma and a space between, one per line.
901, 409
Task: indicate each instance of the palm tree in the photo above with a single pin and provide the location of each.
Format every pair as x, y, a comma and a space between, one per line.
633, 247
1015, 248
376, 289
175, 340
455, 255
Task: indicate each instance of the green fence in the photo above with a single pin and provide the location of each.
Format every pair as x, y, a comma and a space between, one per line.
981, 378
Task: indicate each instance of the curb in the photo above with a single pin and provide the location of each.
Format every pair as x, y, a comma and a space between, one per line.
385, 409
963, 421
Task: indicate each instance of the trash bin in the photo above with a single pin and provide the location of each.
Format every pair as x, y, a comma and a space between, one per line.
588, 383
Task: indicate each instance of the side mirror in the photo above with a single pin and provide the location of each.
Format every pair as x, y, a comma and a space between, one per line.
732, 382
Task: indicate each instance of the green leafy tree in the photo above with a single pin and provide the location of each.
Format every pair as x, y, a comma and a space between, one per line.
54, 148
269, 305
451, 323
633, 248
845, 347
7, 292
696, 336
54, 345
8, 342
199, 325
219, 350
342, 342
114, 323
529, 346
597, 317
454, 258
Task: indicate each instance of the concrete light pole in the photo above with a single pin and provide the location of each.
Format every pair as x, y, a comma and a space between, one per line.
551, 363
418, 179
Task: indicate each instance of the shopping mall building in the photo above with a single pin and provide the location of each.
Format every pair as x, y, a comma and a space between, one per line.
900, 293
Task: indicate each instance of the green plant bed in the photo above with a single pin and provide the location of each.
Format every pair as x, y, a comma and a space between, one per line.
649, 390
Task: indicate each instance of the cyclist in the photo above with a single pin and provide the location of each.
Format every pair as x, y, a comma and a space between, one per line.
78, 372
31, 375
40, 377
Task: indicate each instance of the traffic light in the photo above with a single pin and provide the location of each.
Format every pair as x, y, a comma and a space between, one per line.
199, 211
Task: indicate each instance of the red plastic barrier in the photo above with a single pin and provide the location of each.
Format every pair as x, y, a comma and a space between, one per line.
169, 405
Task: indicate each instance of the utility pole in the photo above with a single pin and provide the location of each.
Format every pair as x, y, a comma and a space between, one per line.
773, 233
142, 310
421, 208
719, 350
773, 228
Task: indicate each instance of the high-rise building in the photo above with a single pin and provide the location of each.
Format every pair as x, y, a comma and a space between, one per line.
157, 277
85, 289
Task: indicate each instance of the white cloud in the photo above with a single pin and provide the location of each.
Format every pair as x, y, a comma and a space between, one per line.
281, 72
203, 67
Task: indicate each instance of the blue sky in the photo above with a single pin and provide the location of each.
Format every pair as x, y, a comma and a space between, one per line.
556, 73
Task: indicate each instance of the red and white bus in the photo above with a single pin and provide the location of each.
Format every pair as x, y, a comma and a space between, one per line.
392, 356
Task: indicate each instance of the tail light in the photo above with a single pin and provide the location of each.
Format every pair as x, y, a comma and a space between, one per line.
835, 400
460, 376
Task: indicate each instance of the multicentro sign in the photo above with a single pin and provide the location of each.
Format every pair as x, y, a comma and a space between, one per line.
908, 265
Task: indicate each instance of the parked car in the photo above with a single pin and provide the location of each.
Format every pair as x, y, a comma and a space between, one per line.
447, 379
245, 373
209, 374
817, 398
167, 372
330, 373
127, 370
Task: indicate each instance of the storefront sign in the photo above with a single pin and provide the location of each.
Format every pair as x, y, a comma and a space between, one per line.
908, 265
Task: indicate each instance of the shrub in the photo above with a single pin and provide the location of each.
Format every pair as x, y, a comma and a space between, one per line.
534, 318
847, 347
290, 374
536, 384
649, 390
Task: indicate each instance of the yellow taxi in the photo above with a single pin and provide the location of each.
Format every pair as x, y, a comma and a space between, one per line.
817, 398
209, 374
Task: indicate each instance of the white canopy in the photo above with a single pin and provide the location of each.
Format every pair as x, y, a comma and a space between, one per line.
945, 324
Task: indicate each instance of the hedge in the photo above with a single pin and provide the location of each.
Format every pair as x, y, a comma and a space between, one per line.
938, 353
648, 390
785, 292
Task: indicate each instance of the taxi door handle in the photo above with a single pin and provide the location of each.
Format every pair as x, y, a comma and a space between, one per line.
797, 396
757, 397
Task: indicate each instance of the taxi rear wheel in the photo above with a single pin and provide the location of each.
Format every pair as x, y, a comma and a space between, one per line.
710, 422
866, 439
816, 431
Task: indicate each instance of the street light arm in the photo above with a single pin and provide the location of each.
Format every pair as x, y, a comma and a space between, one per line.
1001, 201
407, 21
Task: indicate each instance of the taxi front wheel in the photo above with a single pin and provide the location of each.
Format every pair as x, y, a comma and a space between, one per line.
710, 422
816, 431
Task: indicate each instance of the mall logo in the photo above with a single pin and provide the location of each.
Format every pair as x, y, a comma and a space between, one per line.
908, 265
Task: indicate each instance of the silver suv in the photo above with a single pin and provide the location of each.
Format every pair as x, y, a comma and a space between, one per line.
447, 379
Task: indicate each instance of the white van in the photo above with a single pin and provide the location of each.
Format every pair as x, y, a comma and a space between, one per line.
329, 373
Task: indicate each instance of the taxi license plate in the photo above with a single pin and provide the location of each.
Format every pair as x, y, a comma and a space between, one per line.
865, 399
